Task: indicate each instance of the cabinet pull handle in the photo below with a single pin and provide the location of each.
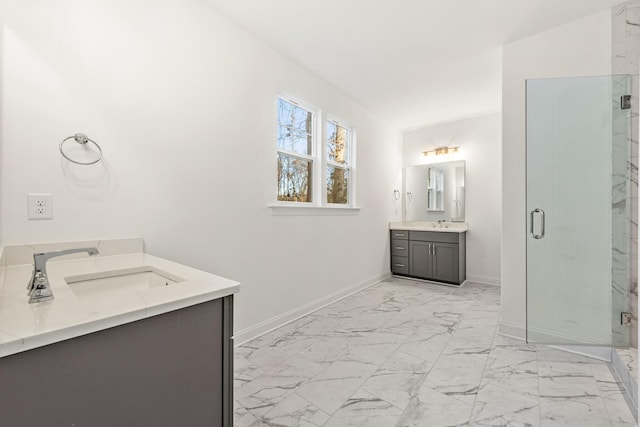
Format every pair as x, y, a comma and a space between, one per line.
434, 248
398, 234
429, 248
399, 265
399, 247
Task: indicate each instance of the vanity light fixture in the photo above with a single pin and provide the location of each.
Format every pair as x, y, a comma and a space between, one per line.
441, 150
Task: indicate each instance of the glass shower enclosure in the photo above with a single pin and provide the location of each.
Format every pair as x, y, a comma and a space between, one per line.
577, 148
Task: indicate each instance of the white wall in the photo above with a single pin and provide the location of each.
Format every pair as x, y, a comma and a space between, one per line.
578, 48
183, 104
479, 142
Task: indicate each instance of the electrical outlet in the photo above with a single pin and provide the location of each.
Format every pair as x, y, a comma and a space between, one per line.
40, 205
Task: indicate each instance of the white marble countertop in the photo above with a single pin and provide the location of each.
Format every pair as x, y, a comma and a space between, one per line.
447, 227
25, 326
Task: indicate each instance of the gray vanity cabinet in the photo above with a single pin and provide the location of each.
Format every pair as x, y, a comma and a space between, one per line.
174, 369
446, 262
400, 252
437, 256
434, 260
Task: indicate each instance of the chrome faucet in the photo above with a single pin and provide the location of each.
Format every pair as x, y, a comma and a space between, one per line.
38, 286
441, 222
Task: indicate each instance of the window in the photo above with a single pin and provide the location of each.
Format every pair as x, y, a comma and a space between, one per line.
315, 163
338, 160
295, 152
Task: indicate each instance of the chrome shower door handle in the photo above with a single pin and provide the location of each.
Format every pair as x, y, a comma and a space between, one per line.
532, 233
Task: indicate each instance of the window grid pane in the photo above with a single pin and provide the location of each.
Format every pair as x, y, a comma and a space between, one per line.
294, 178
337, 143
295, 128
337, 184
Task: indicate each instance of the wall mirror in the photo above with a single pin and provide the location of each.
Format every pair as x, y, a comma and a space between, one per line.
434, 192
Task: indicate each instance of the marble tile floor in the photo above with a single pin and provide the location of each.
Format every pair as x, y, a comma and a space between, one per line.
406, 353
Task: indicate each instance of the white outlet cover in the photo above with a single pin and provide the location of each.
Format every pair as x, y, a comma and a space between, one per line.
40, 206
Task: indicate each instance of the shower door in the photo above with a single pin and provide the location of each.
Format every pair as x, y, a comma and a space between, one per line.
577, 221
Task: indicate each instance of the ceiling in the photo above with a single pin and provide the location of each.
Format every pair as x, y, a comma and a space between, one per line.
412, 62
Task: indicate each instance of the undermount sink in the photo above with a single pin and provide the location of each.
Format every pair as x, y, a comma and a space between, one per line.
119, 281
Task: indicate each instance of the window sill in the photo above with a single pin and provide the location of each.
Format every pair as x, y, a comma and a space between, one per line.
283, 210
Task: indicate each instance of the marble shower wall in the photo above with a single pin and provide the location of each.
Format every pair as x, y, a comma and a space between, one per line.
626, 60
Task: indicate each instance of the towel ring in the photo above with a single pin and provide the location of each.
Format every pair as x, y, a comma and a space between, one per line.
81, 138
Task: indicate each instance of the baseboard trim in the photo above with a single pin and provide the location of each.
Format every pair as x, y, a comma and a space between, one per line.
276, 322
518, 332
594, 352
486, 280
512, 330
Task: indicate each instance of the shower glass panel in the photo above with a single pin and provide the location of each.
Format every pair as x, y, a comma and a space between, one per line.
577, 222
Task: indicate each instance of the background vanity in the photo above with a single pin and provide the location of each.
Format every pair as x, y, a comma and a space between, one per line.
430, 242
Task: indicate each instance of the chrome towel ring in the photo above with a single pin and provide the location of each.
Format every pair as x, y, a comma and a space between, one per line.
82, 139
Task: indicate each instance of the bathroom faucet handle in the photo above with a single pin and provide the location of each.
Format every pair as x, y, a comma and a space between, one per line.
39, 281
40, 291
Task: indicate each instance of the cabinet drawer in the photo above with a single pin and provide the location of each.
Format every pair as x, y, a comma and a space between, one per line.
434, 236
399, 247
400, 265
399, 234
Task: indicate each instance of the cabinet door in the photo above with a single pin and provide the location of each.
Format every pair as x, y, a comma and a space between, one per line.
445, 262
162, 371
420, 259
